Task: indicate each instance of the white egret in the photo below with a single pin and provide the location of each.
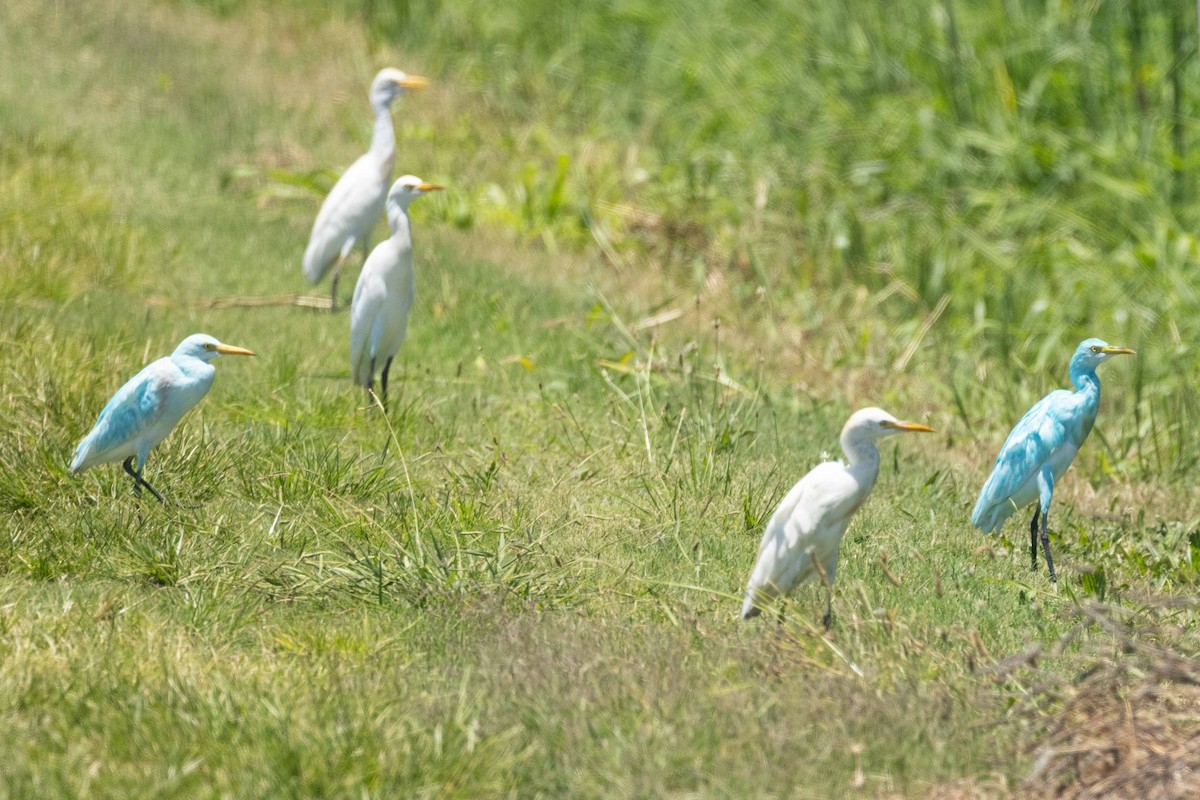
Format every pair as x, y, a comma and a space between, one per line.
385, 290
802, 537
354, 205
1041, 447
150, 405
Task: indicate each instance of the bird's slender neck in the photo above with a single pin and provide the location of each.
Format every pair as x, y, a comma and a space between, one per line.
383, 138
192, 365
861, 453
1085, 379
399, 223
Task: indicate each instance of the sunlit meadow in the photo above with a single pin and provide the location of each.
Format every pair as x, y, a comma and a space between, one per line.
680, 243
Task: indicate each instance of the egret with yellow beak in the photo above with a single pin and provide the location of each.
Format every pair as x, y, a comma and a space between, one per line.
1041, 448
802, 537
356, 202
385, 290
150, 405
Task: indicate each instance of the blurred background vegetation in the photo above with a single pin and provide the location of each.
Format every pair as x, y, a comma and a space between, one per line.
1002, 178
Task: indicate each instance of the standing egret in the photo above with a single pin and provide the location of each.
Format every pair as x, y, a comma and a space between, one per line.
354, 206
1041, 448
801, 540
385, 290
150, 405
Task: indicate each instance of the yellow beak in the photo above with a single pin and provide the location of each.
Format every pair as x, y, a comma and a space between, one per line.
430, 187
230, 350
413, 82
911, 427
1118, 351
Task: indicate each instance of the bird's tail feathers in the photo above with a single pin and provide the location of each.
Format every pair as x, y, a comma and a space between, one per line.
314, 268
319, 256
361, 369
79, 461
977, 515
750, 607
362, 377
989, 517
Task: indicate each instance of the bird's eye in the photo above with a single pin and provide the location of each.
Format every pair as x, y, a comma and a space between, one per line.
1095, 348
209, 346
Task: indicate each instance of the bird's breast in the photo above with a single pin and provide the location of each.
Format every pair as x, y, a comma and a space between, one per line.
385, 173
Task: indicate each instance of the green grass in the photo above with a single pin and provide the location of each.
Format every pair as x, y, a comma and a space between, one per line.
523, 581
992, 181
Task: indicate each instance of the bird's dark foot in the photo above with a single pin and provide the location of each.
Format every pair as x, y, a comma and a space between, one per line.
1033, 537
139, 481
384, 380
154, 492
1046, 548
137, 484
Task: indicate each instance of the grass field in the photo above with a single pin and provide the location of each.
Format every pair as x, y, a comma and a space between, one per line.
645, 307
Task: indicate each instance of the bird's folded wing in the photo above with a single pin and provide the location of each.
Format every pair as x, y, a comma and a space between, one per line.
133, 409
345, 213
796, 525
804, 506
369, 295
1039, 434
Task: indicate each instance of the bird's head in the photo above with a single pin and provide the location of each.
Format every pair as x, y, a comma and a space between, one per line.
390, 83
875, 423
1091, 353
409, 188
206, 348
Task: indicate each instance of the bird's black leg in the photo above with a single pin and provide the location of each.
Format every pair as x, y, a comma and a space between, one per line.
1046, 546
153, 491
827, 618
383, 379
137, 485
139, 481
1033, 534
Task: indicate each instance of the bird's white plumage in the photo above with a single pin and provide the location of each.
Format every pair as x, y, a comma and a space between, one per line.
348, 214
807, 527
805, 530
386, 288
356, 202
379, 311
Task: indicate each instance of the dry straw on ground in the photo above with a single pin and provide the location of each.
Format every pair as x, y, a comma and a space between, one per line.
1128, 725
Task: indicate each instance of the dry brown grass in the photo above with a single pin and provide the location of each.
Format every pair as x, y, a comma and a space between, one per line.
1128, 724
